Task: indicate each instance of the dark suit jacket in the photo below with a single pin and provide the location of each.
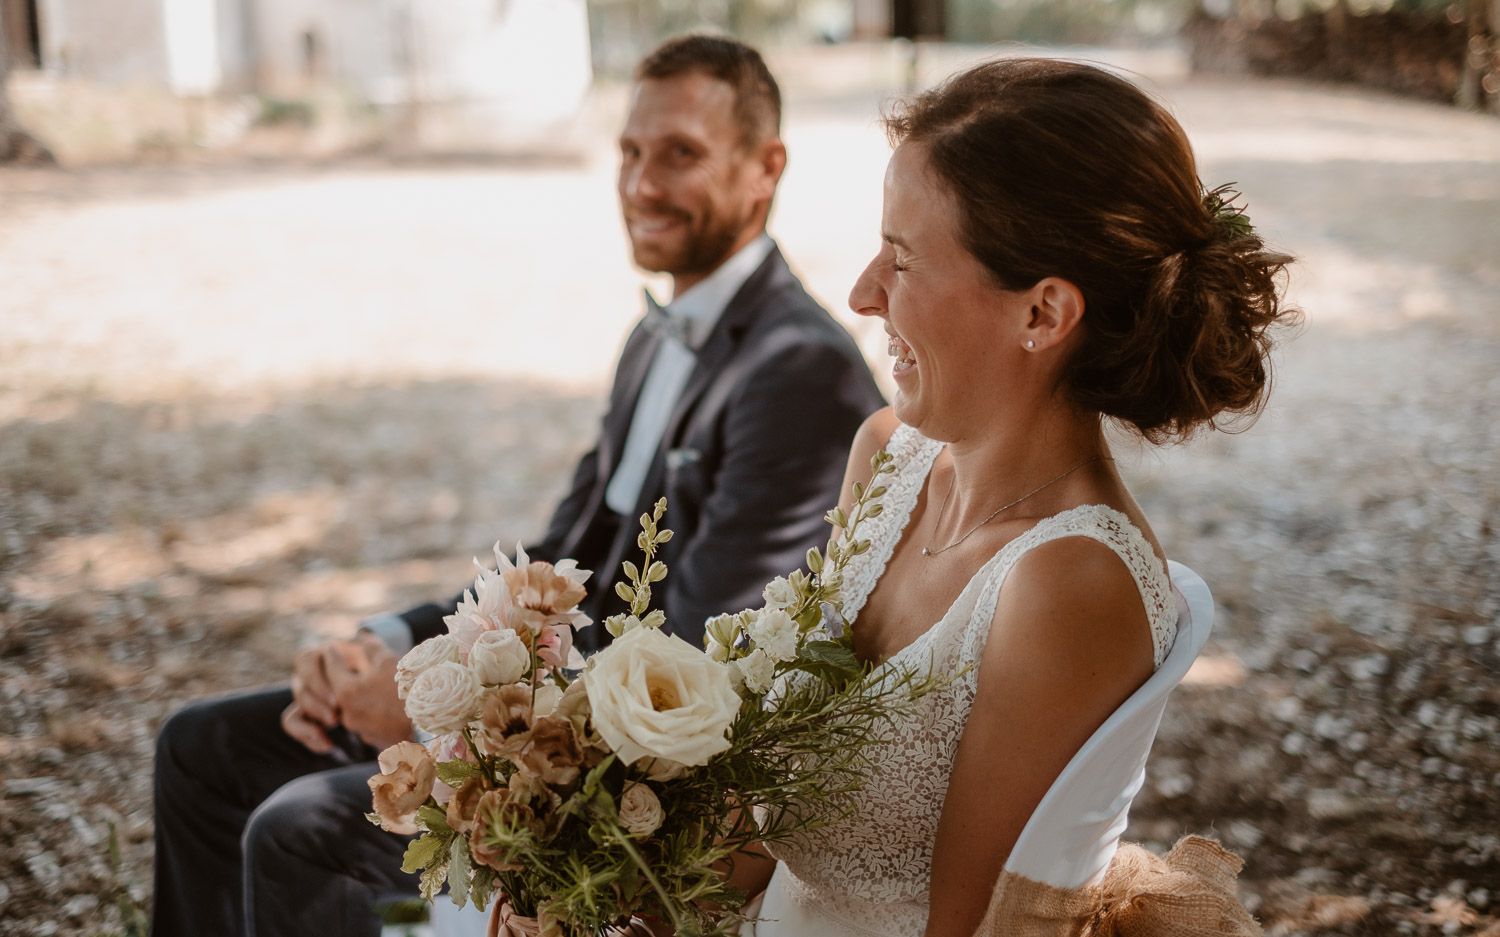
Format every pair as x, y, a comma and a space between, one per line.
751, 459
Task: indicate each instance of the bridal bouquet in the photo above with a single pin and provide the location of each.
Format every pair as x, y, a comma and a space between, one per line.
588, 795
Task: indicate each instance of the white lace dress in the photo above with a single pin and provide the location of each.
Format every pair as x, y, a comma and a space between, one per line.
869, 875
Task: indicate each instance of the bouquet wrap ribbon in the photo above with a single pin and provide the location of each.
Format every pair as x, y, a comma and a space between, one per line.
505, 922
1189, 893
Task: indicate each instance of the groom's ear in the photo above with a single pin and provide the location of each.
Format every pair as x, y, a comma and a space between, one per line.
1056, 309
770, 158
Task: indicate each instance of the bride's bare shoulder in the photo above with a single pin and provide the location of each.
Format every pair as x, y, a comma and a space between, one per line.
875, 433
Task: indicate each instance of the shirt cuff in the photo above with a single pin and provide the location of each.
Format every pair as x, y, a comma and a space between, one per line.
390, 628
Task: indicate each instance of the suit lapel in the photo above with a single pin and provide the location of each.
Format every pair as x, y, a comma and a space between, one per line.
715, 354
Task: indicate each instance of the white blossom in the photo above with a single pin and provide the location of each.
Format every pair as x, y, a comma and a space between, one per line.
779, 593
775, 632
757, 669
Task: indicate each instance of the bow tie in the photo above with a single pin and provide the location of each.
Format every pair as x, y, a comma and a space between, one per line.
663, 321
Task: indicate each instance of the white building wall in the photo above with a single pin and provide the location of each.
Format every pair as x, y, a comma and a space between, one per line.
113, 41
190, 46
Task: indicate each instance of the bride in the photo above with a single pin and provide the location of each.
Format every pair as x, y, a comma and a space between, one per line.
1049, 262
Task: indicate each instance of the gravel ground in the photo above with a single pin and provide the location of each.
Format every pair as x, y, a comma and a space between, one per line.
240, 403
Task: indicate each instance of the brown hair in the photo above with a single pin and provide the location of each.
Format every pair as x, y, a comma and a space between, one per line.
1063, 169
757, 99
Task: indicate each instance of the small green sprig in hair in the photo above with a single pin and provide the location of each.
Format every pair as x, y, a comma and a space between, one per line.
1219, 202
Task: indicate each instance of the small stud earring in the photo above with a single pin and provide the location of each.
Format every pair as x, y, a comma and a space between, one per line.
1030, 343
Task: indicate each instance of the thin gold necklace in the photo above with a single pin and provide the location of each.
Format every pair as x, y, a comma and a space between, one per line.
928, 551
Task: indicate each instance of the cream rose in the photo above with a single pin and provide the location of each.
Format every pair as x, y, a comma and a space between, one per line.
407, 773
443, 698
774, 632
439, 650
545, 699
640, 811
655, 696
499, 657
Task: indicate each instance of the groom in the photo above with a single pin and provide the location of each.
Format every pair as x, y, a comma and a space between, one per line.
737, 402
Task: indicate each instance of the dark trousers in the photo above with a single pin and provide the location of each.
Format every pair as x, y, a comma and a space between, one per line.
257, 836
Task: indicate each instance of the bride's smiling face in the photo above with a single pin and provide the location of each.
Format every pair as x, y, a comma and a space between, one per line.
953, 331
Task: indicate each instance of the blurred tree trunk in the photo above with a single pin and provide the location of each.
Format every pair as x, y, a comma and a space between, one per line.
1491, 82
16, 145
1337, 20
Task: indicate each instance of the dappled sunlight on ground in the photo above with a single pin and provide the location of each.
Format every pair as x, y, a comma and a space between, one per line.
244, 404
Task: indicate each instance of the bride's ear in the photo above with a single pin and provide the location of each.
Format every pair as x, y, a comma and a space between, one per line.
1056, 309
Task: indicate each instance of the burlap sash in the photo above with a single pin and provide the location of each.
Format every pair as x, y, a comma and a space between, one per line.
1190, 893
505, 922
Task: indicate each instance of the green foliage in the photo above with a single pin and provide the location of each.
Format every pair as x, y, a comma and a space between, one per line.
455, 773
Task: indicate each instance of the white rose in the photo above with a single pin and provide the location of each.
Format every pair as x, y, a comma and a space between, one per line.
444, 698
655, 696
544, 699
775, 632
779, 593
640, 811
499, 657
758, 669
428, 654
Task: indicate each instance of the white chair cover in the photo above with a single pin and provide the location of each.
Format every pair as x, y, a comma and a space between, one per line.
1074, 832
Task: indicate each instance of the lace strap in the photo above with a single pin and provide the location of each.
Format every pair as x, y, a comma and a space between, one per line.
912, 454
1107, 526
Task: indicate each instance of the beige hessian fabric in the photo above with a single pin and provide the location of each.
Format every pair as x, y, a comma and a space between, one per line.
1190, 893
505, 922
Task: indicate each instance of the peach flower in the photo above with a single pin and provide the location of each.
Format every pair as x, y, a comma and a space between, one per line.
407, 773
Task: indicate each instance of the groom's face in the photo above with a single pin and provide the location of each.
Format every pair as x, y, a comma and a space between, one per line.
692, 191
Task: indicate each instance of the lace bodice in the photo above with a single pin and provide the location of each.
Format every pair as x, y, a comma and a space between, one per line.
871, 872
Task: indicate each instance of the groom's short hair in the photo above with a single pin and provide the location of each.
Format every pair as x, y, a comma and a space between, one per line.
757, 99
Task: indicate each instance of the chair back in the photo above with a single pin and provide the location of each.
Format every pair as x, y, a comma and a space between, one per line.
1073, 833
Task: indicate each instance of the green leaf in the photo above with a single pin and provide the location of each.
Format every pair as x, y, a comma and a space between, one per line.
657, 572
632, 572
373, 818
663, 537
431, 882
434, 818
455, 773
424, 851
481, 886
459, 864
625, 592
859, 491
878, 491
814, 560
831, 654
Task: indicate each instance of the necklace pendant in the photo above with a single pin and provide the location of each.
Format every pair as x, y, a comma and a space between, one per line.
926, 552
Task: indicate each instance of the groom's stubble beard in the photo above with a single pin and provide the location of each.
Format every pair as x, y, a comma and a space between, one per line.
709, 241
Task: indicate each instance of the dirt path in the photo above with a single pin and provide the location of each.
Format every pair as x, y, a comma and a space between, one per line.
242, 402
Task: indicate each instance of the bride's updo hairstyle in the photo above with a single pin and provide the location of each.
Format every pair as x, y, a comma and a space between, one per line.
1062, 169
